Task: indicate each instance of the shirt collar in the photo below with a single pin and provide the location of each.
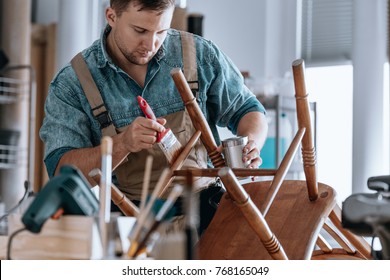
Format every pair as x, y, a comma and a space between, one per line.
104, 58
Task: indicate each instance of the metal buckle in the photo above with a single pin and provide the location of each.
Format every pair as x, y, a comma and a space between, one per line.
104, 119
194, 86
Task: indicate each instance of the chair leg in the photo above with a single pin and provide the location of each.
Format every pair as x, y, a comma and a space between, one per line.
358, 242
352, 246
324, 245
252, 214
339, 238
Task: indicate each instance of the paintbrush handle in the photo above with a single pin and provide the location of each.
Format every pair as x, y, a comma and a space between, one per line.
197, 117
141, 219
105, 193
105, 179
106, 146
148, 112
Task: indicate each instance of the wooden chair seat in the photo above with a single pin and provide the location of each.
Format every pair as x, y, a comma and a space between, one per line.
293, 218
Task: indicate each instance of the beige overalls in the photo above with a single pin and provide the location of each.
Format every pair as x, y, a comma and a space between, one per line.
130, 173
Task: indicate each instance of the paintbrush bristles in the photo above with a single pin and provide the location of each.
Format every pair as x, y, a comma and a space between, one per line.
171, 147
166, 140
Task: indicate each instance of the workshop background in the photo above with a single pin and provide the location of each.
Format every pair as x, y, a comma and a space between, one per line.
344, 44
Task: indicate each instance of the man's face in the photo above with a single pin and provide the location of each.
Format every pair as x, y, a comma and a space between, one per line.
138, 35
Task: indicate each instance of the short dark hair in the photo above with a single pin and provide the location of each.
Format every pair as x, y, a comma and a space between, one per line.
153, 5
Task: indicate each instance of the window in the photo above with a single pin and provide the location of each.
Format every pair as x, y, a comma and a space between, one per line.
327, 31
325, 85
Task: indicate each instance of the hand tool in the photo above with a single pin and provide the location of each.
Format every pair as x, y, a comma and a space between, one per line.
166, 140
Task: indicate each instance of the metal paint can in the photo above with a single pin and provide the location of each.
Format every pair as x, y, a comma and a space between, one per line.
232, 150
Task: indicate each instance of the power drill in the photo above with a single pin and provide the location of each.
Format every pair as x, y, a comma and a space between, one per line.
69, 191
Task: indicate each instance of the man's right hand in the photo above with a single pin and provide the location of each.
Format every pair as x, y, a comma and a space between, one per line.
141, 134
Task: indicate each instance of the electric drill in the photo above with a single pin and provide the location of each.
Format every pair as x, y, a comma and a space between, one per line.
69, 191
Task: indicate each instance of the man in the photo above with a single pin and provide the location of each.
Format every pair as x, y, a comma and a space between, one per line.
134, 57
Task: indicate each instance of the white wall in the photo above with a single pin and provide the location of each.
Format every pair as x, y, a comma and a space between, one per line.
238, 28
47, 11
79, 24
331, 88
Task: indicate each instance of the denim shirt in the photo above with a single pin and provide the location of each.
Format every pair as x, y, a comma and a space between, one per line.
69, 123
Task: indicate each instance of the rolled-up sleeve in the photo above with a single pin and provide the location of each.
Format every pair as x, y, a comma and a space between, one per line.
66, 125
228, 98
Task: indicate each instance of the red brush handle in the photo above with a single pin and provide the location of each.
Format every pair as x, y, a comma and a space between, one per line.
148, 112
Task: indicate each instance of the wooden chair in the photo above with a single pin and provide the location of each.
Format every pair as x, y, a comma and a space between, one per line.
278, 219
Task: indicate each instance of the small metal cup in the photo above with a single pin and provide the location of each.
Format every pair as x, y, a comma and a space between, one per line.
232, 150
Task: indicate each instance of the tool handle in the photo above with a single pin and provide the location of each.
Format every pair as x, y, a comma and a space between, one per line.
105, 179
148, 112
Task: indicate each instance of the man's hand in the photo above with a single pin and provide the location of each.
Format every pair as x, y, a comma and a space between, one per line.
251, 153
141, 134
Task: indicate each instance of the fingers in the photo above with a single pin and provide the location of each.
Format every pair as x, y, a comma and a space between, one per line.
151, 125
142, 134
161, 121
251, 155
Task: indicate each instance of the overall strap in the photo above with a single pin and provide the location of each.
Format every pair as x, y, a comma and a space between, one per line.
93, 95
190, 66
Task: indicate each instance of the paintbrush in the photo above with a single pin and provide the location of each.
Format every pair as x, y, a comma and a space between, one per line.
145, 185
161, 216
105, 192
166, 140
143, 216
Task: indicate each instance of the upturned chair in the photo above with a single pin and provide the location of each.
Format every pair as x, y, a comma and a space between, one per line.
278, 219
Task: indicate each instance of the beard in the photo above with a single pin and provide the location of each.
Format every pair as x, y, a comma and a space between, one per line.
133, 56
134, 59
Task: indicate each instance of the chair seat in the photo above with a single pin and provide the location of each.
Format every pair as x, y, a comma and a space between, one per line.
293, 218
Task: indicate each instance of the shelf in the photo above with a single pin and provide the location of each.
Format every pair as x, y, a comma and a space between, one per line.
13, 90
12, 156
283, 107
